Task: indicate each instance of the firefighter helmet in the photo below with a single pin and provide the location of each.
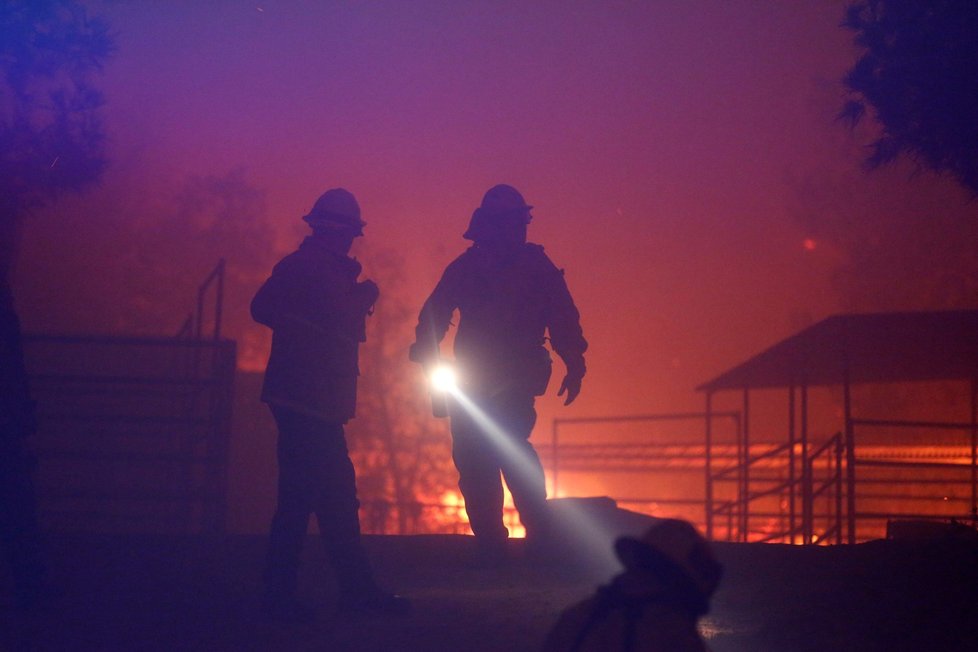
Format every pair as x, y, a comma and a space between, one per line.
672, 545
502, 205
336, 209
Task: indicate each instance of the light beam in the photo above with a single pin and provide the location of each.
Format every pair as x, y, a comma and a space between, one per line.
444, 379
590, 534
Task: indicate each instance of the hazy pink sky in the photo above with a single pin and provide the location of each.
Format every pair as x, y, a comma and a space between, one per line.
667, 147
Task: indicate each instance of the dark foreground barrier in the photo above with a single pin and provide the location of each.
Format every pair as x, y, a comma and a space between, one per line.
151, 592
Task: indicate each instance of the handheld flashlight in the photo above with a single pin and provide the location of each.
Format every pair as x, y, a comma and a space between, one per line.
443, 378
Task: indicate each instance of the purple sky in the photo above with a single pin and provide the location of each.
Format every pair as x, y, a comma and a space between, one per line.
669, 149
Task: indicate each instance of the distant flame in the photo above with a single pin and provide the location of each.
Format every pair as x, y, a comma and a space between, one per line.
452, 514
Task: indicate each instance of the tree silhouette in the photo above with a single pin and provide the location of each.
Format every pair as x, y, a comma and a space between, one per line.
140, 246
51, 136
402, 455
171, 250
918, 73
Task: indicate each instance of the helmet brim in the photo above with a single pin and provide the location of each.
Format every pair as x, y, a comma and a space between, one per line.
342, 223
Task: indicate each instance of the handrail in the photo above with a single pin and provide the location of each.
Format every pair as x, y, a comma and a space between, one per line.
886, 423
832, 446
768, 454
216, 276
555, 448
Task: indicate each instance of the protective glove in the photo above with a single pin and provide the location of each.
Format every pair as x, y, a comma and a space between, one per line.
572, 385
367, 294
424, 355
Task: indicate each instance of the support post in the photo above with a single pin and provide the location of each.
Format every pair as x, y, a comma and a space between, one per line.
807, 509
708, 430
791, 464
744, 489
850, 460
974, 451
554, 449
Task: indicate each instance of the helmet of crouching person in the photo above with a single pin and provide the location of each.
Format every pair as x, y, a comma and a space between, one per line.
677, 555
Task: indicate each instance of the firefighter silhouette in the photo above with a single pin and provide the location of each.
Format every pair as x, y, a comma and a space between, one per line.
317, 311
510, 297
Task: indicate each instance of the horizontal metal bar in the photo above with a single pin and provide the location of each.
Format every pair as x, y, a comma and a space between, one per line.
199, 382
637, 468
196, 497
915, 481
942, 425
668, 501
622, 449
127, 457
125, 418
113, 340
637, 455
644, 417
910, 465
890, 498
925, 517
755, 478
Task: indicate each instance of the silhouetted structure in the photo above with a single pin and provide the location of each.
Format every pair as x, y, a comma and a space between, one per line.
670, 575
19, 531
844, 351
509, 296
317, 309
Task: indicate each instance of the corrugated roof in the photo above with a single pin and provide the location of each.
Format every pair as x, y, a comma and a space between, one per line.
881, 347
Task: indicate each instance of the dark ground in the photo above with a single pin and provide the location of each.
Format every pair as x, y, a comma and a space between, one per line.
159, 593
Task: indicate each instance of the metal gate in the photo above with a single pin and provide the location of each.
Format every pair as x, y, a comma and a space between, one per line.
133, 432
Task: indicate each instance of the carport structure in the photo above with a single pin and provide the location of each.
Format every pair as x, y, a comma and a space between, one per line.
841, 352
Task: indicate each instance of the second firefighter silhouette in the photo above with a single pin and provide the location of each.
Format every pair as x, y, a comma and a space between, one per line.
509, 296
317, 311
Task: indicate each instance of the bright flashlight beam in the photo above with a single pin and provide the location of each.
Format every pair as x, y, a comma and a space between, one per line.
596, 538
443, 379
497, 435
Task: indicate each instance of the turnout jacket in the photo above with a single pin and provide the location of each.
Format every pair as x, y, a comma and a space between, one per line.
317, 312
507, 305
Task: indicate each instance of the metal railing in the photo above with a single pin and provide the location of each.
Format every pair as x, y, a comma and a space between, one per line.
944, 481
133, 432
885, 482
827, 458
193, 325
646, 458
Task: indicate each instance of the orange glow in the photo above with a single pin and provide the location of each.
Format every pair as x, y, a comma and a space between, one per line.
511, 518
453, 511
679, 241
451, 515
